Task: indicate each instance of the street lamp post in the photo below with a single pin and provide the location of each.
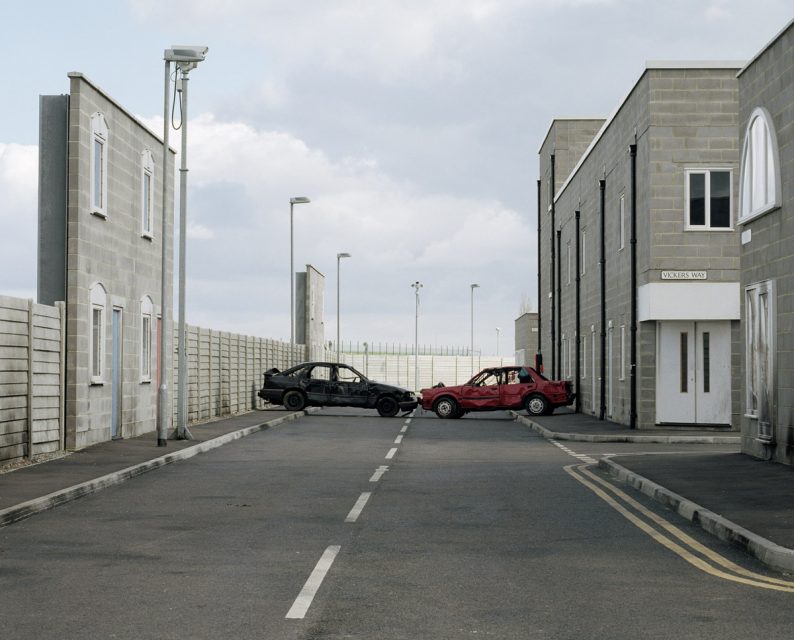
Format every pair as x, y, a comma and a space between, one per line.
339, 257
186, 59
416, 285
473, 287
498, 330
292, 203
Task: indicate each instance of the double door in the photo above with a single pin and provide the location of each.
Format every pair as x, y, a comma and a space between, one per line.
693, 375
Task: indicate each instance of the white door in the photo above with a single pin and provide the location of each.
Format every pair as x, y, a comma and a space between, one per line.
693, 379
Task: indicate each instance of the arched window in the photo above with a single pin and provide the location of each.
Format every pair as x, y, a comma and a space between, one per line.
147, 192
760, 175
99, 164
147, 313
96, 344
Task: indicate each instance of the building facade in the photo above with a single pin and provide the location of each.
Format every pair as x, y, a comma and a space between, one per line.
638, 252
766, 221
526, 338
100, 249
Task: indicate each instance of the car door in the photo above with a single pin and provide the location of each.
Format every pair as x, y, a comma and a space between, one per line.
483, 394
351, 388
512, 390
318, 379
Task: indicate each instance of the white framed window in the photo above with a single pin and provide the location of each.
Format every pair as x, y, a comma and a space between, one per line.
759, 301
147, 193
96, 342
147, 315
584, 252
568, 257
760, 169
584, 355
99, 165
708, 199
622, 222
622, 368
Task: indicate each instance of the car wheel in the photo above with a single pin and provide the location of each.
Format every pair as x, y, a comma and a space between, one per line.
294, 401
536, 405
459, 413
446, 407
387, 407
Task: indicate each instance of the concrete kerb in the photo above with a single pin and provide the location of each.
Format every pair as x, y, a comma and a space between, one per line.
768, 552
24, 510
647, 439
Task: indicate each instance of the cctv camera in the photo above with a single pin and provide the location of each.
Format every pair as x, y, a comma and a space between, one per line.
182, 53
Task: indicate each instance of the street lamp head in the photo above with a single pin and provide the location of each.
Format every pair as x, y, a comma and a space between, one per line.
474, 286
299, 200
417, 285
343, 255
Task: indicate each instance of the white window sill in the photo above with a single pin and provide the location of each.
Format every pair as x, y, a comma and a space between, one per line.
147, 236
709, 229
97, 383
99, 214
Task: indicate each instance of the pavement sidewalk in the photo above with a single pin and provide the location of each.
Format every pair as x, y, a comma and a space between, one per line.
744, 501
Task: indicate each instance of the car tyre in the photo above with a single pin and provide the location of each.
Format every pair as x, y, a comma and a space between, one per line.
536, 405
446, 407
294, 400
387, 407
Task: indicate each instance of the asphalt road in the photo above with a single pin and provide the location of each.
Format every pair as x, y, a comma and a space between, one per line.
335, 526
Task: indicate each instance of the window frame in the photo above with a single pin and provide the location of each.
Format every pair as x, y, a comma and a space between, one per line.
707, 171
622, 221
99, 137
773, 154
145, 347
584, 252
752, 321
147, 196
96, 342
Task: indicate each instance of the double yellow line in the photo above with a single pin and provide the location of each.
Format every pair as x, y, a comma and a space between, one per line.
708, 561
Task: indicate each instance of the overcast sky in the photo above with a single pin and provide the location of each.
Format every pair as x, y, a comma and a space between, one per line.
413, 125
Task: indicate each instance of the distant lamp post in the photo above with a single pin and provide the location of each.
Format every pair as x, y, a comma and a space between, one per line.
473, 287
339, 257
498, 330
416, 285
292, 203
186, 59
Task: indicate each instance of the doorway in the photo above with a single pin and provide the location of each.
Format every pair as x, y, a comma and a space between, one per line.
693, 373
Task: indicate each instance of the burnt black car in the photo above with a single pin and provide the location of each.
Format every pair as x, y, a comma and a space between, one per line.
328, 384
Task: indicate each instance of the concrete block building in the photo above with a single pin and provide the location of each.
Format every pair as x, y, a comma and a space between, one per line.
100, 246
639, 292
526, 337
766, 222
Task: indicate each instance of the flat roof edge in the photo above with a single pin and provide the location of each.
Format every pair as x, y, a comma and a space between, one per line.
763, 49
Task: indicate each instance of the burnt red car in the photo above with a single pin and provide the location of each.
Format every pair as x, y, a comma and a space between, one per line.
500, 388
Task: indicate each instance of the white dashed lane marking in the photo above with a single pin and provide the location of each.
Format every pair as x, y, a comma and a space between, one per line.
355, 512
391, 453
379, 473
306, 596
579, 456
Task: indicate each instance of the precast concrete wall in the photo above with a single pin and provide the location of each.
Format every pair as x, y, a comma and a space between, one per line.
31, 378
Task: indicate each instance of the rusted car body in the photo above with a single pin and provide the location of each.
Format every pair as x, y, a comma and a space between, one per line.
496, 388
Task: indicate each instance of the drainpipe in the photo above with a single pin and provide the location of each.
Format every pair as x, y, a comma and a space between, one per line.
578, 367
633, 361
553, 262
558, 345
539, 350
603, 262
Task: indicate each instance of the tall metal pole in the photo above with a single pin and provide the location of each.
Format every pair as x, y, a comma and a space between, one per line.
182, 432
473, 287
163, 398
416, 285
339, 257
497, 341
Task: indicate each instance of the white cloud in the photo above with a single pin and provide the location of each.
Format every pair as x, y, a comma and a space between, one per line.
18, 219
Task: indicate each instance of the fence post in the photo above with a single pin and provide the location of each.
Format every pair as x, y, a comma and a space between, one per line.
30, 380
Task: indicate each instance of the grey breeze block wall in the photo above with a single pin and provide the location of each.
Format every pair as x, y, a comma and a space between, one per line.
31, 378
682, 118
113, 252
768, 82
